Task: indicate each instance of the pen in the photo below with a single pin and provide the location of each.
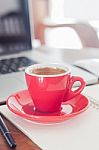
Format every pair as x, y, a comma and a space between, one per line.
3, 103
7, 135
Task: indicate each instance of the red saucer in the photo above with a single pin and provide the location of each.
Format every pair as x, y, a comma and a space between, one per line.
21, 104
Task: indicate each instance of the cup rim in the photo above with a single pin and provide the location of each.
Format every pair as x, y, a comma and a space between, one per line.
35, 66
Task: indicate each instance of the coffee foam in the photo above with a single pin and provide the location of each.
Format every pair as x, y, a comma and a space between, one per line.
29, 70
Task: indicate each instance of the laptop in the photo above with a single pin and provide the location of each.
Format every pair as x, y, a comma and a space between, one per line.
15, 45
16, 49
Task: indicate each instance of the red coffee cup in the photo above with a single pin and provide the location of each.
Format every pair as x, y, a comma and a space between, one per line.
51, 84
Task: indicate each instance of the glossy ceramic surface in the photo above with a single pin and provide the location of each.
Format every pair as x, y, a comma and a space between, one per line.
21, 104
49, 91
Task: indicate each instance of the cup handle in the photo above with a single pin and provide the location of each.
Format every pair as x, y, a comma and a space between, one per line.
70, 94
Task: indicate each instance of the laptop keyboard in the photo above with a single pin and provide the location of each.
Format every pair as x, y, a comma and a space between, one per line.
14, 64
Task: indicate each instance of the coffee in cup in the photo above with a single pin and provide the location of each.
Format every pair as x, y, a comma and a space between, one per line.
48, 71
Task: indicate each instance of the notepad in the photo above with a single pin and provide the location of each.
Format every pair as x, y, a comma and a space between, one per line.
78, 133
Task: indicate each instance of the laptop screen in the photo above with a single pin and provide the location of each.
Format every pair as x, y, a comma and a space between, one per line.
15, 35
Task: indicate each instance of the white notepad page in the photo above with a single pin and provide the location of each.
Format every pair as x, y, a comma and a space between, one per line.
78, 133
92, 91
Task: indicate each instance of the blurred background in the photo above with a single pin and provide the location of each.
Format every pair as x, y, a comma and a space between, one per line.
66, 23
